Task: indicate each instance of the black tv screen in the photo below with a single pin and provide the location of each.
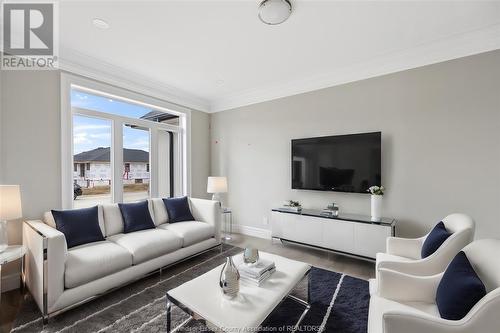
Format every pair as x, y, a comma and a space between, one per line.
341, 163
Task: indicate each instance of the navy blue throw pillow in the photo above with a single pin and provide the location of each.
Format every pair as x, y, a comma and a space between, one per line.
178, 209
436, 237
79, 226
136, 216
459, 290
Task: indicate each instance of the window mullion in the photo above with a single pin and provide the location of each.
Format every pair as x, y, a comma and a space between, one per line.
153, 163
117, 161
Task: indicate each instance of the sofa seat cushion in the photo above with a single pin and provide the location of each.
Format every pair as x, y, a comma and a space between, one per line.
191, 232
379, 306
92, 261
148, 244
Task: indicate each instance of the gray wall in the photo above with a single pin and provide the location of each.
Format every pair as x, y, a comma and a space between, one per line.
440, 134
30, 137
200, 153
30, 145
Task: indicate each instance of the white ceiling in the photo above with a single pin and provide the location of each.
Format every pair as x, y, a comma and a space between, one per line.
217, 55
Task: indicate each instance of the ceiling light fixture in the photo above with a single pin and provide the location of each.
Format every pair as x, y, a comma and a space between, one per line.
100, 23
275, 12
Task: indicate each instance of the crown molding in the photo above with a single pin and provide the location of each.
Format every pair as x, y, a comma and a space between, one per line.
96, 69
453, 47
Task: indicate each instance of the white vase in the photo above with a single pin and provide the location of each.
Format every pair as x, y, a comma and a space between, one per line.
376, 208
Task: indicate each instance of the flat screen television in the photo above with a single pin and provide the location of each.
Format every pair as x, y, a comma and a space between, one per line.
340, 163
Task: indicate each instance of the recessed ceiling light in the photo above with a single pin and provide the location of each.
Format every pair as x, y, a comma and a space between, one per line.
274, 12
100, 23
220, 82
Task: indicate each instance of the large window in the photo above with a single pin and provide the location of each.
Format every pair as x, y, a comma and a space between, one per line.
123, 149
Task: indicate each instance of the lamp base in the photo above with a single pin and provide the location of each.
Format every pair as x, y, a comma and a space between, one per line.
4, 241
216, 197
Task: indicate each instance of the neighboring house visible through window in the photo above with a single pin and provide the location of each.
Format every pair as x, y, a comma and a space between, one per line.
123, 150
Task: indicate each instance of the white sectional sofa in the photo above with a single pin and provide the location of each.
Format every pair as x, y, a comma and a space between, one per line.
60, 278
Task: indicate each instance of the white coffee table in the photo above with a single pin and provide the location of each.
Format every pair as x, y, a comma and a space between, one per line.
202, 298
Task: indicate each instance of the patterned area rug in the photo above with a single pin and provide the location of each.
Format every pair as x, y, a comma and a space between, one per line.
339, 304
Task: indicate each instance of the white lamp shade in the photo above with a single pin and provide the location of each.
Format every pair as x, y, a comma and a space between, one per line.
217, 185
10, 202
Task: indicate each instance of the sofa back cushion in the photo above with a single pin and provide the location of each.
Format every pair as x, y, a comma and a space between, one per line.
459, 289
113, 220
136, 216
48, 219
178, 209
79, 226
434, 239
160, 215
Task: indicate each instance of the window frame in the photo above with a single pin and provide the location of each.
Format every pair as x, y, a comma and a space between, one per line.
182, 157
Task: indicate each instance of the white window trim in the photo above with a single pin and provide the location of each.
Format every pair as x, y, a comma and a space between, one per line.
182, 168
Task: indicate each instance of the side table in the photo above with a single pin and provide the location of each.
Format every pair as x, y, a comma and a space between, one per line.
228, 223
12, 253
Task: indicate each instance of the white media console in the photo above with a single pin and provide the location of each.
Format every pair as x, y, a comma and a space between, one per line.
350, 234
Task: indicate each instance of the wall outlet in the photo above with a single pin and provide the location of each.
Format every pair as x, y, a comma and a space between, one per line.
265, 220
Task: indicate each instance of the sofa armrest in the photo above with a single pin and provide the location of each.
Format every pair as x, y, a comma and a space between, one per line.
208, 211
45, 262
398, 286
405, 247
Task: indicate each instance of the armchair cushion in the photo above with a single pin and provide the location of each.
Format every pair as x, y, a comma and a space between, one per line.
79, 226
459, 290
380, 307
436, 237
136, 216
178, 209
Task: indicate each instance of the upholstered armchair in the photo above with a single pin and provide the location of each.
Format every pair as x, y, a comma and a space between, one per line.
404, 254
407, 303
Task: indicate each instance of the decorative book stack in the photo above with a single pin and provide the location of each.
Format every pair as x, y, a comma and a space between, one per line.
256, 274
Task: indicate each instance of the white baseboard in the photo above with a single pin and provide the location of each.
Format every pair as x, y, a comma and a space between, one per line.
252, 231
11, 282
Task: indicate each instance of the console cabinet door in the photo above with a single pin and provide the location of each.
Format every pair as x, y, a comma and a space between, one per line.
369, 239
309, 230
277, 224
338, 235
285, 225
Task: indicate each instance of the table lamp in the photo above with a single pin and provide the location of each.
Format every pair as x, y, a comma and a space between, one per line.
216, 185
10, 209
